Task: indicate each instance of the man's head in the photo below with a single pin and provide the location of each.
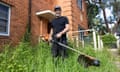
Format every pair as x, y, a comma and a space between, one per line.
57, 10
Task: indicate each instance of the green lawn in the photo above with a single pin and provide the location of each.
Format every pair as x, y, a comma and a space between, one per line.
26, 58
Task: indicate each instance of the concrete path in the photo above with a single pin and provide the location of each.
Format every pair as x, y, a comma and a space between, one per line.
117, 56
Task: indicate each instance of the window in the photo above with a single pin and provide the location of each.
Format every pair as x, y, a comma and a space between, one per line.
79, 2
4, 19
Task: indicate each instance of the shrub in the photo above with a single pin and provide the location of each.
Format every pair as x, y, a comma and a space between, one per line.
108, 39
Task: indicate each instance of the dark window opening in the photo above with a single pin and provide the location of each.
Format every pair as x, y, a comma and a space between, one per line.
79, 2
4, 18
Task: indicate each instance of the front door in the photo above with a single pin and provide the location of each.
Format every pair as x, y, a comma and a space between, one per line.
44, 29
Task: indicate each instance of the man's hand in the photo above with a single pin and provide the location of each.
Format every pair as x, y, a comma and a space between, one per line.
58, 35
50, 38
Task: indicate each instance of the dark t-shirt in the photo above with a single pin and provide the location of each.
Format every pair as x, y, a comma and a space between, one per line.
58, 24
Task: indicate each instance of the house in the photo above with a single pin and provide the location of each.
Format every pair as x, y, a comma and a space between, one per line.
15, 15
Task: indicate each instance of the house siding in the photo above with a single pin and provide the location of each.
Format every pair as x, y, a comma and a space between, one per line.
19, 18
39, 24
18, 21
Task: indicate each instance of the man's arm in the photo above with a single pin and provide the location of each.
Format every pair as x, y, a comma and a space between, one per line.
66, 29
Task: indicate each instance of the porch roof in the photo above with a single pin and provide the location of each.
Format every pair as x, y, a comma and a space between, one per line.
47, 14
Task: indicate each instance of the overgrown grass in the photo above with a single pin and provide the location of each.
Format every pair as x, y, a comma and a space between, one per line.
25, 58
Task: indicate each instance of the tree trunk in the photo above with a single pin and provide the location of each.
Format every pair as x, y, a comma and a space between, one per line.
104, 14
105, 18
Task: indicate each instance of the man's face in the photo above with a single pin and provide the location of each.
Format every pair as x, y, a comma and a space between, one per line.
58, 13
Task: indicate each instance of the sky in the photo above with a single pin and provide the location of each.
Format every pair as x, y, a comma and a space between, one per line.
109, 13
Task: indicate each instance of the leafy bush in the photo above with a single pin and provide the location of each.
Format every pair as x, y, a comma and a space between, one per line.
108, 39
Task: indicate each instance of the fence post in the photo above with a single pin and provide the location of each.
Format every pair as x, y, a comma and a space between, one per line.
118, 43
99, 42
94, 39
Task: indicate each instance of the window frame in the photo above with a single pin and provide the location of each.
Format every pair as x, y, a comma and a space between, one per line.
7, 33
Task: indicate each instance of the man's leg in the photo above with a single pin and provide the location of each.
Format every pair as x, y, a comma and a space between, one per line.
55, 53
63, 50
54, 50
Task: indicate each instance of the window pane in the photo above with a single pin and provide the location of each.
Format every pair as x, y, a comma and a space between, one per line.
3, 26
4, 13
79, 2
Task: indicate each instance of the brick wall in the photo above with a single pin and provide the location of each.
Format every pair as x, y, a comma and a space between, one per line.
18, 21
39, 24
84, 21
79, 16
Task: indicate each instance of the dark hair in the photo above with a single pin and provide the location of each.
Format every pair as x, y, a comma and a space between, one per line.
57, 8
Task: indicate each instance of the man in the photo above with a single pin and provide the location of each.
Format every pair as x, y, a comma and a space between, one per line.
59, 28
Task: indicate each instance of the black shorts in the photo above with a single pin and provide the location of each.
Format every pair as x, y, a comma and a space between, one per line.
58, 50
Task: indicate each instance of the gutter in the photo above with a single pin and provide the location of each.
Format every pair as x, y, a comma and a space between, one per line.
29, 15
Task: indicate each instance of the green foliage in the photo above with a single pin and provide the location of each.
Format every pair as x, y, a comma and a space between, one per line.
25, 58
99, 27
119, 51
27, 35
116, 6
108, 40
91, 13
